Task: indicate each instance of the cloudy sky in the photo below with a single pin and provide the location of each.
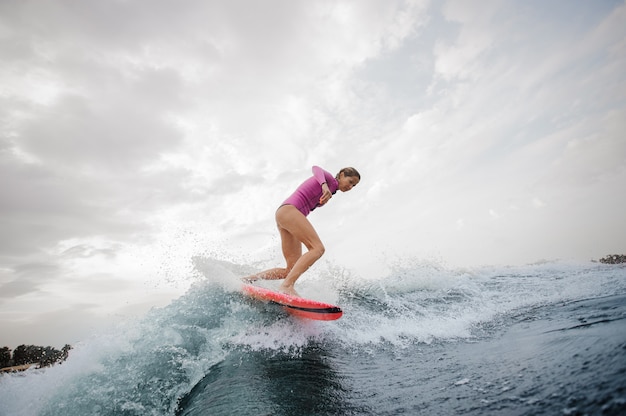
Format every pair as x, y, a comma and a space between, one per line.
135, 135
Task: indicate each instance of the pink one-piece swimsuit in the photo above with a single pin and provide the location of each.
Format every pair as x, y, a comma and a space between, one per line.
307, 196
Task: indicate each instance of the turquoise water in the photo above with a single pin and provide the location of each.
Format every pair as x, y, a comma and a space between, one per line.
542, 339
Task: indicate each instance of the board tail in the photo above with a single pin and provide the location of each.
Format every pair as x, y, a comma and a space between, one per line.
321, 314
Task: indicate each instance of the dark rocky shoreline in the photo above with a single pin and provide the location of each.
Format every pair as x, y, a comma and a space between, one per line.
26, 356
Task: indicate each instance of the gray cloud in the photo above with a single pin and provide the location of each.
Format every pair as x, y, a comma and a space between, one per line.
19, 287
26, 278
72, 133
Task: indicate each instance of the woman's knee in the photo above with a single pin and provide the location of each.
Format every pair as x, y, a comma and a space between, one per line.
318, 250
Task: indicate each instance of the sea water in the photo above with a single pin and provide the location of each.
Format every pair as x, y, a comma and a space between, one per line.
540, 339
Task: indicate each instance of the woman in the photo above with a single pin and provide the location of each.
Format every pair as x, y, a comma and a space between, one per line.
295, 229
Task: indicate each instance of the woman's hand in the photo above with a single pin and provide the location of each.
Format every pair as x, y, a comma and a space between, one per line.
326, 194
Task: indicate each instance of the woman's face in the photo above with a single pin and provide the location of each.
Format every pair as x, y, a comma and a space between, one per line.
347, 182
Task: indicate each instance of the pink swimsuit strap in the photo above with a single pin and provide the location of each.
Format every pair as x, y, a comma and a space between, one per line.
307, 196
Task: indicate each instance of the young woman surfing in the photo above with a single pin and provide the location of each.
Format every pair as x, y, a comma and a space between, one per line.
295, 229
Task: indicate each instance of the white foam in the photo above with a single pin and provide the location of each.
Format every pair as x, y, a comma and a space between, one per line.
419, 303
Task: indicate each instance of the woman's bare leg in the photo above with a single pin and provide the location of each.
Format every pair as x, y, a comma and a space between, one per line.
292, 250
296, 230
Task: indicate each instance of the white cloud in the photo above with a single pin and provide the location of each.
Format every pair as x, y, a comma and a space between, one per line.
538, 203
461, 60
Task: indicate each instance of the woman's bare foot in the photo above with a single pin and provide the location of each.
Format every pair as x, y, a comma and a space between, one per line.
271, 274
250, 279
289, 290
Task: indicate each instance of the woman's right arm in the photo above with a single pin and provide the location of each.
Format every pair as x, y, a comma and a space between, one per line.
320, 176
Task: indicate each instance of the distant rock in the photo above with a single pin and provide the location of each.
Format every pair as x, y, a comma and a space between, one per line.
614, 259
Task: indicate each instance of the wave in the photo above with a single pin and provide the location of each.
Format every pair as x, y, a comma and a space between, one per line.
147, 366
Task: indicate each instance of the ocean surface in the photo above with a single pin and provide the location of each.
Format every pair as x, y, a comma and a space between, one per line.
544, 339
